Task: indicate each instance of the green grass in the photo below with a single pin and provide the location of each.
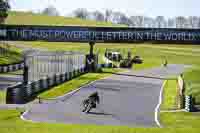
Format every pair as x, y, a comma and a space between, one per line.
76, 83
2, 97
192, 82
18, 72
150, 63
27, 18
11, 123
152, 56
169, 95
13, 55
181, 120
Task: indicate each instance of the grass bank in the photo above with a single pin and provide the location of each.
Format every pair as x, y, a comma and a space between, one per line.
182, 120
9, 54
192, 82
28, 18
2, 97
177, 120
169, 95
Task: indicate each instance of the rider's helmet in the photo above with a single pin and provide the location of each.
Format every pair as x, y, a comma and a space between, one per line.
95, 93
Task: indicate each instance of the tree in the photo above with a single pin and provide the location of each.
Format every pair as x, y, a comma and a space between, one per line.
180, 22
198, 24
171, 23
138, 21
160, 21
108, 15
193, 21
120, 18
98, 16
4, 8
81, 13
149, 22
51, 11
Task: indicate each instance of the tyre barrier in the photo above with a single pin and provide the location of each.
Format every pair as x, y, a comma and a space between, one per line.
106, 65
189, 104
11, 67
24, 93
16, 94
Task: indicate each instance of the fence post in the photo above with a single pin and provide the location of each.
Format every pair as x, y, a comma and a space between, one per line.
180, 92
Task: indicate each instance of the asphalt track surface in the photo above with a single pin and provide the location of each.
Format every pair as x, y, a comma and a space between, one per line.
128, 98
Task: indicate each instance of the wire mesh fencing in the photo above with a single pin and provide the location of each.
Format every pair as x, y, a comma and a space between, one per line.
42, 64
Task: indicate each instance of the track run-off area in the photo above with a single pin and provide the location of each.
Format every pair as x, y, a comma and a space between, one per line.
128, 98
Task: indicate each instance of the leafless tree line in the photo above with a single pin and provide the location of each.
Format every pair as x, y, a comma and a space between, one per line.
139, 21
118, 17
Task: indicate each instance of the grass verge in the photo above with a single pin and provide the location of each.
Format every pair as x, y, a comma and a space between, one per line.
2, 97
150, 63
192, 82
76, 83
9, 55
181, 120
169, 95
11, 123
177, 120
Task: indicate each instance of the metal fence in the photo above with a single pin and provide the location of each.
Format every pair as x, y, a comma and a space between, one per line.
42, 64
44, 70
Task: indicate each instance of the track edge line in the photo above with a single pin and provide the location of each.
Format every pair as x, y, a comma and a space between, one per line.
157, 109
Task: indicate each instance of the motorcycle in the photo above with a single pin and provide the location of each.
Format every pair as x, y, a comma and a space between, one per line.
88, 104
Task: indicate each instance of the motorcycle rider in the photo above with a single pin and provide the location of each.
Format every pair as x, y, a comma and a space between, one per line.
93, 99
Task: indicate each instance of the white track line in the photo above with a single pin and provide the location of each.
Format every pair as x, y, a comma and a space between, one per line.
23, 117
157, 109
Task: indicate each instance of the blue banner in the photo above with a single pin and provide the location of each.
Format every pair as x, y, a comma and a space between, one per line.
97, 34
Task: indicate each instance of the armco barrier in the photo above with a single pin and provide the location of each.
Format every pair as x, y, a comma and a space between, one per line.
23, 93
11, 67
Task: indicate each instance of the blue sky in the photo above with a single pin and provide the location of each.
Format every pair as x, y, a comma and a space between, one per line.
167, 8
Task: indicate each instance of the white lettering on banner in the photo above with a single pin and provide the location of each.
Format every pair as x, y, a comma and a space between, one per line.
139, 36
130, 35
148, 35
174, 36
109, 35
125, 35
100, 35
159, 36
